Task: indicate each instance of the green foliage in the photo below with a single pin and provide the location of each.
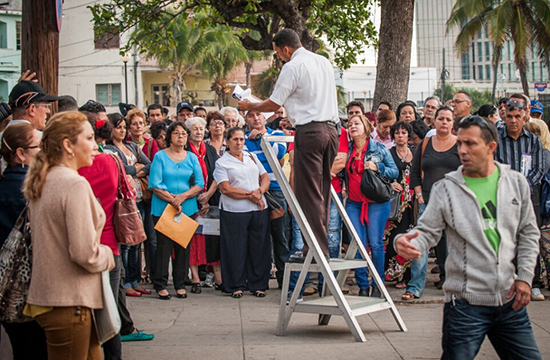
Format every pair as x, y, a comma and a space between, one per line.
265, 82
346, 24
478, 97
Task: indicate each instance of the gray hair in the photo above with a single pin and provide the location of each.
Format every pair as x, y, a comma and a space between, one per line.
228, 108
194, 120
433, 98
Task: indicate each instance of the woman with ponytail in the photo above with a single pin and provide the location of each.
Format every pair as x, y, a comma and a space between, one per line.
66, 225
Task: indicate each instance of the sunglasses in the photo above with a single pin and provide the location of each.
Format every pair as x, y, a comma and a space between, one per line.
515, 104
477, 120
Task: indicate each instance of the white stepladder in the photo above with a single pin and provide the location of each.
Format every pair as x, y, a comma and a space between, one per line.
332, 301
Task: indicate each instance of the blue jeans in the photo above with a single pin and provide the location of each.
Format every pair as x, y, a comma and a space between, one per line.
371, 234
465, 327
334, 235
419, 267
280, 233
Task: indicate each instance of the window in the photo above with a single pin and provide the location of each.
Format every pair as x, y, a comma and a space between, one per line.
510, 73
542, 77
160, 94
3, 35
502, 70
465, 66
480, 72
18, 35
534, 72
487, 51
108, 94
109, 41
479, 51
509, 50
487, 72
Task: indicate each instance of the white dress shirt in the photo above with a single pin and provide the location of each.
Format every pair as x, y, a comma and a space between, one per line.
306, 89
240, 174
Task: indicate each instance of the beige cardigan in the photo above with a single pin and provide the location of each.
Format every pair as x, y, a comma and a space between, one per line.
66, 225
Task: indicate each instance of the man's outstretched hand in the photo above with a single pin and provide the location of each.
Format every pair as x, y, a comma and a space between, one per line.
405, 248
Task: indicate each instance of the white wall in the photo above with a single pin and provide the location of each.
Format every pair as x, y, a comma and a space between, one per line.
81, 66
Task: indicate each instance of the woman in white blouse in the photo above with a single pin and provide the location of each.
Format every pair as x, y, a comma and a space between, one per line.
244, 219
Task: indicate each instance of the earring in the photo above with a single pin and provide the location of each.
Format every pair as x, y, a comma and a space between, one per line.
23, 165
71, 155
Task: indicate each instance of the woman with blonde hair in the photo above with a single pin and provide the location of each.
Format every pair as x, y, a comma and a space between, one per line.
368, 217
66, 224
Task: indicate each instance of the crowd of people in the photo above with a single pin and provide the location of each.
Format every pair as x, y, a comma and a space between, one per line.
64, 172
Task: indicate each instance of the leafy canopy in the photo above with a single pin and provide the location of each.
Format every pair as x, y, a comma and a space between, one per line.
345, 24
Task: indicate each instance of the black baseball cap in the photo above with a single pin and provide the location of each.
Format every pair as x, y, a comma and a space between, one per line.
28, 92
184, 105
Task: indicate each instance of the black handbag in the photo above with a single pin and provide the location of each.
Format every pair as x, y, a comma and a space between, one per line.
375, 187
395, 205
15, 271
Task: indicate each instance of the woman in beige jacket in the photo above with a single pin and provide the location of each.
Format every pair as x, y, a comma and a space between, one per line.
66, 225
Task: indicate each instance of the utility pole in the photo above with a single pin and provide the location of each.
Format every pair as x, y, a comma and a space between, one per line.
443, 70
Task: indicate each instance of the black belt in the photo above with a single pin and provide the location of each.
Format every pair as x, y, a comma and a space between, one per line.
329, 122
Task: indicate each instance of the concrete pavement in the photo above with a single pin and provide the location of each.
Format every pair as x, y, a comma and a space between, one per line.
215, 326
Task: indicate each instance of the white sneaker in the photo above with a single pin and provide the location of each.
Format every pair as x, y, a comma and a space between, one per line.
536, 295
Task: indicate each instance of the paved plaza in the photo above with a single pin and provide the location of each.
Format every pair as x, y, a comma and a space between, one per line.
213, 326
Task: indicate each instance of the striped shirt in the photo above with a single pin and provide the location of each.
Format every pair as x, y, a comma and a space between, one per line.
510, 151
255, 148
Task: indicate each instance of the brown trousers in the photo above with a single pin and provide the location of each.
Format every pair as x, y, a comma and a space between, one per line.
316, 146
70, 334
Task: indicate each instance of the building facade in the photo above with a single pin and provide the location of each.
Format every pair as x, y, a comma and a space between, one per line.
473, 69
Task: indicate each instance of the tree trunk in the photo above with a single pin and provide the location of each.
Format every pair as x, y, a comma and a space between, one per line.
523, 76
496, 60
248, 68
40, 43
394, 54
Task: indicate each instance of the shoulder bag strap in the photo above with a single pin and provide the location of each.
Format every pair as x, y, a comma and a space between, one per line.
424, 144
122, 183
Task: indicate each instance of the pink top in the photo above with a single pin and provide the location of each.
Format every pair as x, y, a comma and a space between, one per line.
103, 178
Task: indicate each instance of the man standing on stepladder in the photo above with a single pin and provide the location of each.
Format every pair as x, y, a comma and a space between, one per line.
307, 90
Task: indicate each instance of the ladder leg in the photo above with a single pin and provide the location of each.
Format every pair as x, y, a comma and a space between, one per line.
281, 325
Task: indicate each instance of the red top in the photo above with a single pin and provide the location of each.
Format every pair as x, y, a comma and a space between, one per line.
154, 148
103, 178
357, 168
343, 148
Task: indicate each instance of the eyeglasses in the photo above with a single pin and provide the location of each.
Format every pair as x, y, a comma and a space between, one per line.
217, 123
457, 101
32, 147
46, 105
177, 133
515, 104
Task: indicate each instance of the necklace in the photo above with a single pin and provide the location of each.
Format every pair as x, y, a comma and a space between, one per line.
403, 158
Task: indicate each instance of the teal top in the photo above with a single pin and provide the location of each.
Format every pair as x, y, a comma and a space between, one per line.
485, 190
174, 177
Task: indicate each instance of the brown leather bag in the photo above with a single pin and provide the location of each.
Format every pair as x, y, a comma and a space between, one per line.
126, 218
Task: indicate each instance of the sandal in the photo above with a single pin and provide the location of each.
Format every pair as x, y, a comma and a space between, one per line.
408, 296
237, 294
259, 294
400, 285
196, 288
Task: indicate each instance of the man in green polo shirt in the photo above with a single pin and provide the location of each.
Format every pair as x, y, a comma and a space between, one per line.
492, 239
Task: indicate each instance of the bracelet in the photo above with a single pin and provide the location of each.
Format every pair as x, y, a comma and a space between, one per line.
418, 195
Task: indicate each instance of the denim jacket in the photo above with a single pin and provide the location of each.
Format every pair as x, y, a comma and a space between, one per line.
381, 156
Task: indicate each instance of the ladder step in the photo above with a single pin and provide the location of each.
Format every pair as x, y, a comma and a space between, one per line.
359, 305
335, 265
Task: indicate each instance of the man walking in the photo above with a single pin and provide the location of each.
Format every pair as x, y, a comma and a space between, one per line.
485, 208
307, 90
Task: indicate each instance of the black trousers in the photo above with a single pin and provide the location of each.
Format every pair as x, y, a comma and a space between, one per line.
162, 262
112, 349
28, 340
245, 250
127, 326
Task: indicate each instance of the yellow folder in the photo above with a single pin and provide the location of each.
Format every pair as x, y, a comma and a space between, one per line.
178, 228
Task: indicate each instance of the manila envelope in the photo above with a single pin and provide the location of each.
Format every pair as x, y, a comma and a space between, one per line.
178, 228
